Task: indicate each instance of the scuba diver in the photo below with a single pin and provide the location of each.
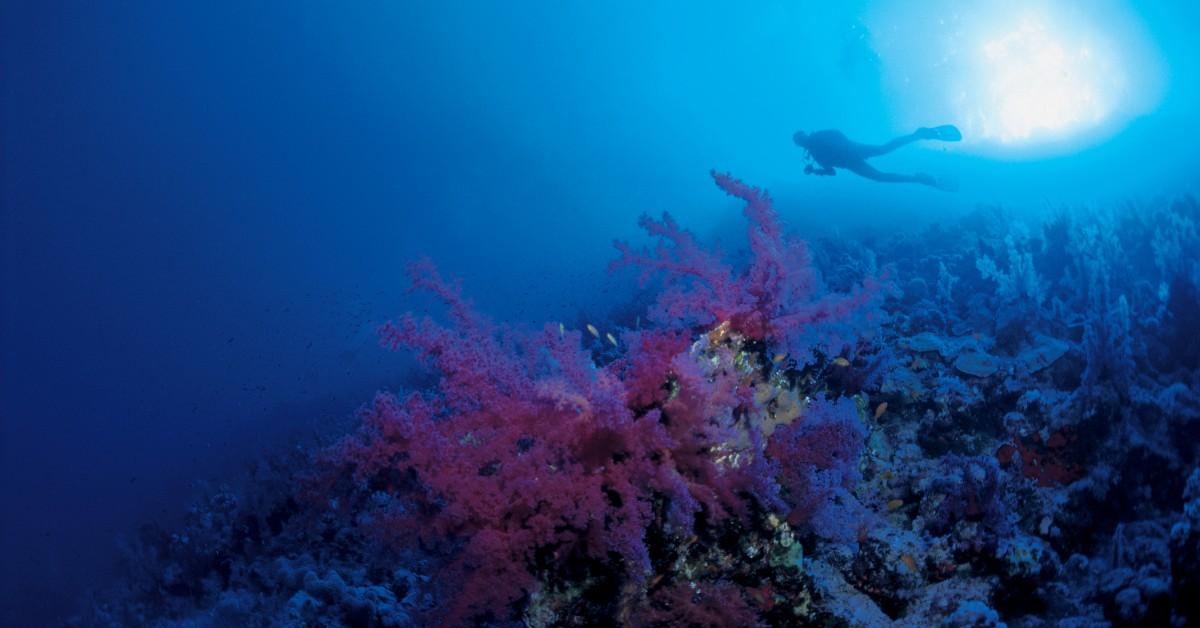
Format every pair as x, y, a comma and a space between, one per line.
831, 149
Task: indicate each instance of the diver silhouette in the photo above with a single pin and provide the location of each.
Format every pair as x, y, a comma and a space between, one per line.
831, 149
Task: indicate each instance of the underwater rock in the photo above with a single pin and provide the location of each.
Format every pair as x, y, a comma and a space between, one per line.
977, 363
1044, 352
903, 382
1027, 556
975, 614
926, 342
842, 600
954, 602
1185, 553
889, 568
947, 348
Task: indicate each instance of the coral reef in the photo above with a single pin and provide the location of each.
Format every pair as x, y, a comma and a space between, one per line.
999, 430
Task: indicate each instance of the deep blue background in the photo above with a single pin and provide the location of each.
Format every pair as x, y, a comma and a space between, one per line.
207, 207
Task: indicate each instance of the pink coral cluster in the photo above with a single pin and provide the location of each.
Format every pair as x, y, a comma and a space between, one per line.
528, 454
525, 446
778, 297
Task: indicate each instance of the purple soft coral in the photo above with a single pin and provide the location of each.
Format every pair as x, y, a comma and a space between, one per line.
818, 458
526, 446
778, 298
528, 453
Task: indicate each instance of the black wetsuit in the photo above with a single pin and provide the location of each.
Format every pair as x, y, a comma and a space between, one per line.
832, 149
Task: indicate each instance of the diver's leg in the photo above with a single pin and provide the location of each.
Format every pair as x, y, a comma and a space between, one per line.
863, 169
875, 150
945, 133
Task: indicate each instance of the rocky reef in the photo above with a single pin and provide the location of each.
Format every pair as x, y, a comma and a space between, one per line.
981, 424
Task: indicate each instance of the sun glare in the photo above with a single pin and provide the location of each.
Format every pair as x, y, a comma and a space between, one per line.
1034, 80
1021, 78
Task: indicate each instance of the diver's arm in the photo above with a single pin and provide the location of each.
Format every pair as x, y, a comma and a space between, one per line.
824, 171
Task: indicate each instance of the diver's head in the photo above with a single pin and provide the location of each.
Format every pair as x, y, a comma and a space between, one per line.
800, 138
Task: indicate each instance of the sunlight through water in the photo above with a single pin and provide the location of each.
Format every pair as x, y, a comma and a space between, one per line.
1019, 77
1037, 78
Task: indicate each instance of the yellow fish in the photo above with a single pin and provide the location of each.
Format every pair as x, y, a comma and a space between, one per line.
611, 339
880, 409
779, 357
842, 362
894, 504
561, 330
592, 330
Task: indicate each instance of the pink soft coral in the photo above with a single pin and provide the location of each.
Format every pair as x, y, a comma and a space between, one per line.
526, 446
777, 298
527, 453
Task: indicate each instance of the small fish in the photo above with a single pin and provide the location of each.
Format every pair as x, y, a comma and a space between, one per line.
561, 330
894, 504
880, 409
841, 362
909, 562
592, 330
611, 339
779, 357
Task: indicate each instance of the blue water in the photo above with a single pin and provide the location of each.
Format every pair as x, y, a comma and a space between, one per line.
207, 210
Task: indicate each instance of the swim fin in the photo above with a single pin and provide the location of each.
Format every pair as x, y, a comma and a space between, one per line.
945, 133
